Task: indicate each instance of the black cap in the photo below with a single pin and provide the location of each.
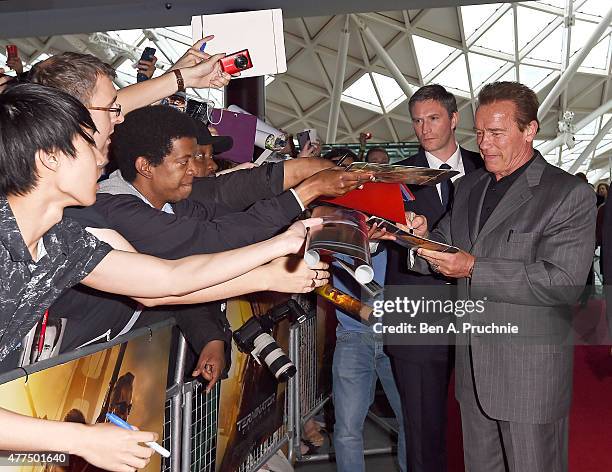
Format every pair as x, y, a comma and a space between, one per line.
220, 143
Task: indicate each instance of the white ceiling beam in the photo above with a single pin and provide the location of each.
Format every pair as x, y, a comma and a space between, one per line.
575, 63
591, 147
384, 56
545, 148
334, 109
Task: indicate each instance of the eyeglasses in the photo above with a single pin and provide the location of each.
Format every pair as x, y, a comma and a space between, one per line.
116, 109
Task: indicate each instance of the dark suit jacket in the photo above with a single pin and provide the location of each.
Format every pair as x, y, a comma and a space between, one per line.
427, 202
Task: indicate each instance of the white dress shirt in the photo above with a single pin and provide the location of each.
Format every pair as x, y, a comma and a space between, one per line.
455, 162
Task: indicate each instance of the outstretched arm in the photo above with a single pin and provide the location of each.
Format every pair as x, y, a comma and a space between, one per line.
198, 70
102, 445
139, 275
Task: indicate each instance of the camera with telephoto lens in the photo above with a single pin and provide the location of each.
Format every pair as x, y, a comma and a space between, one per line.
254, 337
236, 62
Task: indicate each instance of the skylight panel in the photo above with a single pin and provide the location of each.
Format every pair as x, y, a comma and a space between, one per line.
390, 92
549, 49
430, 53
500, 37
362, 94
509, 76
598, 56
594, 7
475, 15
455, 76
530, 23
533, 76
482, 68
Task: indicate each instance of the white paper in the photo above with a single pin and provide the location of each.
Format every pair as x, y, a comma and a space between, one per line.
261, 32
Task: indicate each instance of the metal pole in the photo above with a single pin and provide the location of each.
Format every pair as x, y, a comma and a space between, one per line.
591, 146
334, 110
177, 405
384, 56
578, 59
568, 22
545, 148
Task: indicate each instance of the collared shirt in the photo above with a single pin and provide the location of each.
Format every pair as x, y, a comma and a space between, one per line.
455, 162
27, 287
496, 191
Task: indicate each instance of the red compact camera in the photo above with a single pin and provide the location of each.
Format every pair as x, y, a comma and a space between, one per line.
11, 51
236, 62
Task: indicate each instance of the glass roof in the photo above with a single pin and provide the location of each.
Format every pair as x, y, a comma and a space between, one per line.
490, 54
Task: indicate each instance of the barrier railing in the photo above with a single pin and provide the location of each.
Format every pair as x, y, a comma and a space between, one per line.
191, 416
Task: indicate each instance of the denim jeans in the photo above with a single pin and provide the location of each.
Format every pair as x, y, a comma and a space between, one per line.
358, 360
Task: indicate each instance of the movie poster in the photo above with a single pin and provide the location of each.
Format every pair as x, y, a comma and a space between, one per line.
251, 410
128, 379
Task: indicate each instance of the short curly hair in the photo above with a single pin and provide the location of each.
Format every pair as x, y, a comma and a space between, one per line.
148, 132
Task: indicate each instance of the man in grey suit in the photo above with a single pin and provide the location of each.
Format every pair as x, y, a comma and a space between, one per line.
526, 234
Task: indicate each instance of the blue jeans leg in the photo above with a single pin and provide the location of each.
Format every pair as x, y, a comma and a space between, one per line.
385, 374
354, 380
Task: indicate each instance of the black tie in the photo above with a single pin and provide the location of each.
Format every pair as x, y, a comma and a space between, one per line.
446, 190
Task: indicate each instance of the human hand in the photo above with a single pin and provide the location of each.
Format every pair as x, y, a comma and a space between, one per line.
112, 448
456, 266
206, 73
296, 234
290, 274
375, 233
335, 181
147, 67
211, 362
15, 64
193, 55
311, 149
201, 70
415, 224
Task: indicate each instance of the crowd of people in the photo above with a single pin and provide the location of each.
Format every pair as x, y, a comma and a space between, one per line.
168, 235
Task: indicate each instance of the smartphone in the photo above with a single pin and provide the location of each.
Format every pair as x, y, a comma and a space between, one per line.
147, 55
303, 137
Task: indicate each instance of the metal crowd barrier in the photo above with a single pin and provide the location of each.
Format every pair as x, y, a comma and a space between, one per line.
305, 399
190, 430
191, 415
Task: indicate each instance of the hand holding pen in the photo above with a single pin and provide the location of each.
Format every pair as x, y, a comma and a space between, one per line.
125, 425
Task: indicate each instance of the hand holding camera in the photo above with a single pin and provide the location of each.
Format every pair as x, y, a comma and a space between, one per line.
206, 74
12, 58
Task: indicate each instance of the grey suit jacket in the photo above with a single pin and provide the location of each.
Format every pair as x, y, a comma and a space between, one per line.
532, 259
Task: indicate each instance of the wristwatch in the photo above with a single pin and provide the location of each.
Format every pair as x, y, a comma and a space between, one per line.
179, 80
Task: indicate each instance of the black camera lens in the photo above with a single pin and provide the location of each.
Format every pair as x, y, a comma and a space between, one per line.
241, 62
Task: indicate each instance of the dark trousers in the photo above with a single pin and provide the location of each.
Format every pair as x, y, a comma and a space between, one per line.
423, 389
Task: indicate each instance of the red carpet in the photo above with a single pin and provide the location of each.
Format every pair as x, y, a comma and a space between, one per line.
590, 447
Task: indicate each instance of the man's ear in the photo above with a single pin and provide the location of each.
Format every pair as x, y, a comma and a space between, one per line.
143, 167
530, 131
454, 120
48, 160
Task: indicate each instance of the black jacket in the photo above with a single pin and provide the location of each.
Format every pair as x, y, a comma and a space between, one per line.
209, 221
